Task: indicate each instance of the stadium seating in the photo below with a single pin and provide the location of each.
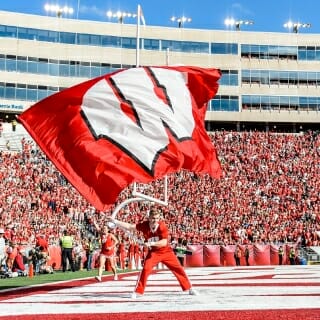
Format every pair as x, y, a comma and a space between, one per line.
268, 195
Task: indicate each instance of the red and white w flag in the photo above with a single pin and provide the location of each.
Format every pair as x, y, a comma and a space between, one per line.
134, 125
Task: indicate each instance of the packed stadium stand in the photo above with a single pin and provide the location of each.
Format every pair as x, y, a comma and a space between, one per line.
269, 194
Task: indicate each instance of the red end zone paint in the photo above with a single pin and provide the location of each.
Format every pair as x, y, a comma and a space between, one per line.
304, 314
221, 297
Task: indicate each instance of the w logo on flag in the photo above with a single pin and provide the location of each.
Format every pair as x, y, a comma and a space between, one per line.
152, 114
135, 125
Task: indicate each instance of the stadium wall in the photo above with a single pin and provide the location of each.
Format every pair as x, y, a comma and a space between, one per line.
212, 256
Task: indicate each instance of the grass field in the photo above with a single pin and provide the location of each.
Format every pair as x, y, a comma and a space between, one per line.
57, 276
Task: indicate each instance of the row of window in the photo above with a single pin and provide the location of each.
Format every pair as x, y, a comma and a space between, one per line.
63, 68
116, 41
33, 93
295, 103
304, 53
58, 68
23, 92
309, 53
269, 77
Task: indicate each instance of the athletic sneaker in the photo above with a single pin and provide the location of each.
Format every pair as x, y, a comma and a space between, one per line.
193, 292
98, 278
115, 278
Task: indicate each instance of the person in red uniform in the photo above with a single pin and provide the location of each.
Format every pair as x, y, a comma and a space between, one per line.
131, 254
156, 235
136, 255
122, 254
108, 251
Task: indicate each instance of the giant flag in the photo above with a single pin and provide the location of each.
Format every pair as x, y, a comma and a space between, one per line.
134, 125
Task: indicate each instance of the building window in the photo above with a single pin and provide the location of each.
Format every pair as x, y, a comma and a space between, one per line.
224, 48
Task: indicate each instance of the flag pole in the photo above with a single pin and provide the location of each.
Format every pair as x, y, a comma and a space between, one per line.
138, 36
137, 65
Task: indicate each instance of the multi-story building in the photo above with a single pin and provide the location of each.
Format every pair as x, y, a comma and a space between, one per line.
269, 80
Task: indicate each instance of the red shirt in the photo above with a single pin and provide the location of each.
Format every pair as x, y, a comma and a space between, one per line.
106, 243
160, 233
8, 234
131, 248
122, 247
18, 263
136, 248
42, 242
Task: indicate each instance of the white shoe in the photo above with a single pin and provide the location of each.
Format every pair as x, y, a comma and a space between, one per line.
193, 292
115, 278
98, 278
135, 295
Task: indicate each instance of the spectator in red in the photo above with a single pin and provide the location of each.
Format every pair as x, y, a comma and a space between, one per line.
41, 241
19, 263
137, 255
131, 253
122, 254
8, 233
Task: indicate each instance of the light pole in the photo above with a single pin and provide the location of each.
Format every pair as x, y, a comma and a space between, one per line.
59, 11
295, 26
237, 23
120, 15
181, 20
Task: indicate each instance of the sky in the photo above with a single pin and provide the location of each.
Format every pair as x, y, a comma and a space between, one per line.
267, 16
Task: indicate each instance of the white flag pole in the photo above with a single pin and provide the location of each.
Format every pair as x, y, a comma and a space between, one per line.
137, 61
138, 36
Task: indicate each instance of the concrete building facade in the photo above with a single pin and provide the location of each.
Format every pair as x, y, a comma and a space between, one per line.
269, 80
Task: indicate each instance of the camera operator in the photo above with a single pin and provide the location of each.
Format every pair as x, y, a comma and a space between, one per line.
44, 258
34, 259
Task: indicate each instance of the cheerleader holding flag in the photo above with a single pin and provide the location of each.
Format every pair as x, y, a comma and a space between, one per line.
156, 234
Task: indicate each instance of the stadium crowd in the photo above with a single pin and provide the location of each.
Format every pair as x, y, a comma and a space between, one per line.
269, 193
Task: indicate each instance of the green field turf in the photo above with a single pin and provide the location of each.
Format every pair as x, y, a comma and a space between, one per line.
57, 276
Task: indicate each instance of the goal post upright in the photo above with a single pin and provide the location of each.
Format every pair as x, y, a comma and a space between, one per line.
164, 202
139, 196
